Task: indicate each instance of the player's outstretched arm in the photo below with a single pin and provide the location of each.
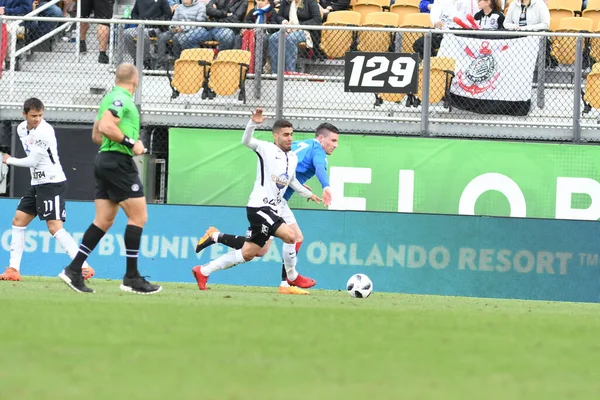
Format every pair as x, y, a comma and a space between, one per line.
303, 191
257, 119
30, 161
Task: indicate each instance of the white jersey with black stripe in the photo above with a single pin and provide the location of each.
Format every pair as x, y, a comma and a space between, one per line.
42, 140
275, 170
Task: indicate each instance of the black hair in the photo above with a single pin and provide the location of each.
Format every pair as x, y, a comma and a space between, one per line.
33, 104
325, 128
282, 123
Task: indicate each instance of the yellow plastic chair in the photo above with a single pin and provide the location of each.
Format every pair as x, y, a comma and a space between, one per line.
365, 9
228, 73
377, 41
191, 71
564, 48
413, 21
402, 10
336, 43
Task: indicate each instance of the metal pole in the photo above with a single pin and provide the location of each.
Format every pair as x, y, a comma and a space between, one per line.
2, 54
577, 90
541, 72
78, 33
13, 151
280, 74
258, 59
425, 89
139, 63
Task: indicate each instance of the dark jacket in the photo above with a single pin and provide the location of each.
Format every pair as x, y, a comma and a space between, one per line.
237, 8
336, 5
16, 7
152, 10
270, 18
309, 14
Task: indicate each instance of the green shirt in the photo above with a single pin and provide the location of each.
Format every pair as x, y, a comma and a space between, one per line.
120, 103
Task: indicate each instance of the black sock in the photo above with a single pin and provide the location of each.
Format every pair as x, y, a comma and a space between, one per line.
133, 237
283, 274
235, 242
90, 240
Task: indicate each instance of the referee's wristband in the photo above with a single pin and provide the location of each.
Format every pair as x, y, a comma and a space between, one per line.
128, 142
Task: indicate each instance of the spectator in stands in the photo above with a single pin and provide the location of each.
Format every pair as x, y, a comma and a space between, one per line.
444, 14
227, 11
152, 10
67, 4
425, 6
490, 16
174, 4
11, 8
264, 13
189, 11
39, 29
328, 6
527, 15
296, 12
102, 9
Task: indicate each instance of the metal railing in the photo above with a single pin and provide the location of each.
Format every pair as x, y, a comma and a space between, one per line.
550, 92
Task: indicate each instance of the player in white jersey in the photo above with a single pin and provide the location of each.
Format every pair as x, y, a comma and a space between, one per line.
45, 197
276, 170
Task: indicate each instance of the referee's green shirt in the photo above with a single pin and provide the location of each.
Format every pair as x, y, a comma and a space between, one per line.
120, 103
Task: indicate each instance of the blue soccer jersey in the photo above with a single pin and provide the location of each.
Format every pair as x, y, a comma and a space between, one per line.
312, 161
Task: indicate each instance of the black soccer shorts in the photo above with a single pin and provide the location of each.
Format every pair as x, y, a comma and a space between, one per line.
46, 200
117, 177
263, 224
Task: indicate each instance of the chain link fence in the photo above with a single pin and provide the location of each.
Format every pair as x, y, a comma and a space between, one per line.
479, 84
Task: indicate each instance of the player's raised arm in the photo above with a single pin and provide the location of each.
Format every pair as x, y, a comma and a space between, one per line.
303, 191
30, 161
257, 119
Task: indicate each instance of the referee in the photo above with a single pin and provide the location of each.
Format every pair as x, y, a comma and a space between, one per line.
116, 130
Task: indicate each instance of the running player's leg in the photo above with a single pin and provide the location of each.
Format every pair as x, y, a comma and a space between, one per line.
23, 216
263, 223
288, 235
212, 236
50, 203
284, 286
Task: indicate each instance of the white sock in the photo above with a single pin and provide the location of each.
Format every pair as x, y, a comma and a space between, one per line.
228, 260
215, 236
17, 244
68, 244
289, 260
284, 284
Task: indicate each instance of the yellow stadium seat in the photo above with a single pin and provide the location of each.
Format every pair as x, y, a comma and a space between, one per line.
383, 3
591, 97
556, 15
403, 10
377, 41
336, 43
564, 48
593, 14
595, 46
365, 9
413, 21
440, 79
413, 3
228, 73
593, 5
191, 71
572, 5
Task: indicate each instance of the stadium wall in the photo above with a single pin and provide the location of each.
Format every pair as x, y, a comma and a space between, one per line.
541, 259
401, 174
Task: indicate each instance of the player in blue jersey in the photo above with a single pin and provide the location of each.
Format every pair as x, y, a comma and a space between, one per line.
312, 160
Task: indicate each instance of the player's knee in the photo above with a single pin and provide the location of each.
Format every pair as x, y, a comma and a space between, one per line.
248, 254
262, 251
299, 237
289, 238
54, 226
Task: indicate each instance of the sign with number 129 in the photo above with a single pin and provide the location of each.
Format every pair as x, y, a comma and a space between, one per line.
381, 72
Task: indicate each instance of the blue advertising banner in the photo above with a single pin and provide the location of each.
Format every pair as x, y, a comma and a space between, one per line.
407, 253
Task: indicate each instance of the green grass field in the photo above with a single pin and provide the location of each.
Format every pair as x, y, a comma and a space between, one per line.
251, 343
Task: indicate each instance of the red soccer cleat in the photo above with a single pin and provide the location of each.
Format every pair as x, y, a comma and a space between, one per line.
10, 274
302, 282
200, 277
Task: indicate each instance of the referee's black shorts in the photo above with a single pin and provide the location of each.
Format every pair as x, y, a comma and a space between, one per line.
117, 177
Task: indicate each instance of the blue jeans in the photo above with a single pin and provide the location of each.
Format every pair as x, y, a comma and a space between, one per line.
39, 29
196, 37
291, 49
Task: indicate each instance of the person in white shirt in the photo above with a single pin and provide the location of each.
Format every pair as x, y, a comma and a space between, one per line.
444, 14
276, 170
45, 197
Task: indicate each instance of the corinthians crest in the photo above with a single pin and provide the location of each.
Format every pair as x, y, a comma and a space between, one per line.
482, 72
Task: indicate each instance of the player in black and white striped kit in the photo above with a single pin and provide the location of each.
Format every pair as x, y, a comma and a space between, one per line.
45, 197
276, 170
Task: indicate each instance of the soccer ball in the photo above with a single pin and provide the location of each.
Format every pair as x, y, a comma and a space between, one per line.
359, 285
